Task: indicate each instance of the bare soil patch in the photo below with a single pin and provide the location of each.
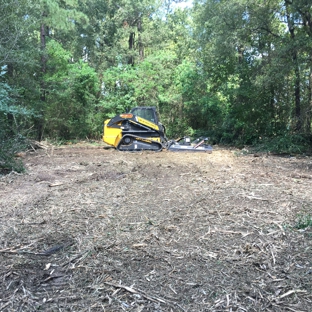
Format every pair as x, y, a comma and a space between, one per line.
93, 229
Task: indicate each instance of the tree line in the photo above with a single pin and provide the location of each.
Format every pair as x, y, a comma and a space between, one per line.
239, 71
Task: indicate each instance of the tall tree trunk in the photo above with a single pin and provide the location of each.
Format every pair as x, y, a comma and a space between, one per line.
240, 51
291, 28
297, 93
307, 22
131, 47
43, 55
309, 110
272, 94
10, 116
140, 43
40, 120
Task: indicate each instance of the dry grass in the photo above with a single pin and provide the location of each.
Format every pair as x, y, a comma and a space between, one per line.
88, 229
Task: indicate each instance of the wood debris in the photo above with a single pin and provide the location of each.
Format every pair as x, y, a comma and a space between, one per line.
181, 232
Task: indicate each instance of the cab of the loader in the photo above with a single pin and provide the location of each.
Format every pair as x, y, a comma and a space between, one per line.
148, 113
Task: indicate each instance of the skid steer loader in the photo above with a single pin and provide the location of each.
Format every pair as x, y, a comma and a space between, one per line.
140, 129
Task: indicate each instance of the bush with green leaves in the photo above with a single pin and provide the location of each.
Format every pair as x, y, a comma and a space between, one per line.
303, 221
71, 95
13, 119
9, 147
285, 143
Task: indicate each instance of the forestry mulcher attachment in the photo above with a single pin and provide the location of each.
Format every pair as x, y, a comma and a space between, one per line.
140, 129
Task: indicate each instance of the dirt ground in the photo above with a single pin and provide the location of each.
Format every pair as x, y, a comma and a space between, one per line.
92, 229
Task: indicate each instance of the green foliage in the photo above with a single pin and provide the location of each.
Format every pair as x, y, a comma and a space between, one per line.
248, 58
149, 83
286, 143
203, 110
11, 138
239, 71
61, 14
9, 146
73, 88
303, 221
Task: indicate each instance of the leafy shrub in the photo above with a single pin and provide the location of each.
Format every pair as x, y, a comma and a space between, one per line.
13, 119
285, 144
303, 221
8, 150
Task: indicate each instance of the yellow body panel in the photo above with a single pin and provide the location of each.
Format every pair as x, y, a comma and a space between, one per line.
147, 123
111, 136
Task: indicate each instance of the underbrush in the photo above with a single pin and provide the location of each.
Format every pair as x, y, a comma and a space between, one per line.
303, 221
9, 148
285, 144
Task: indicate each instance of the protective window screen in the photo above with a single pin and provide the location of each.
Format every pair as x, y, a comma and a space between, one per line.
146, 113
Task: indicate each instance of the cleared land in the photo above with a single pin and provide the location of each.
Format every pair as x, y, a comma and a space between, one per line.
93, 229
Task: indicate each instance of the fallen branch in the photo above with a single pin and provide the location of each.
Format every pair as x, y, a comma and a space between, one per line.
20, 252
290, 292
134, 291
244, 234
47, 252
4, 306
36, 145
55, 184
301, 176
77, 258
131, 290
143, 294
254, 197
